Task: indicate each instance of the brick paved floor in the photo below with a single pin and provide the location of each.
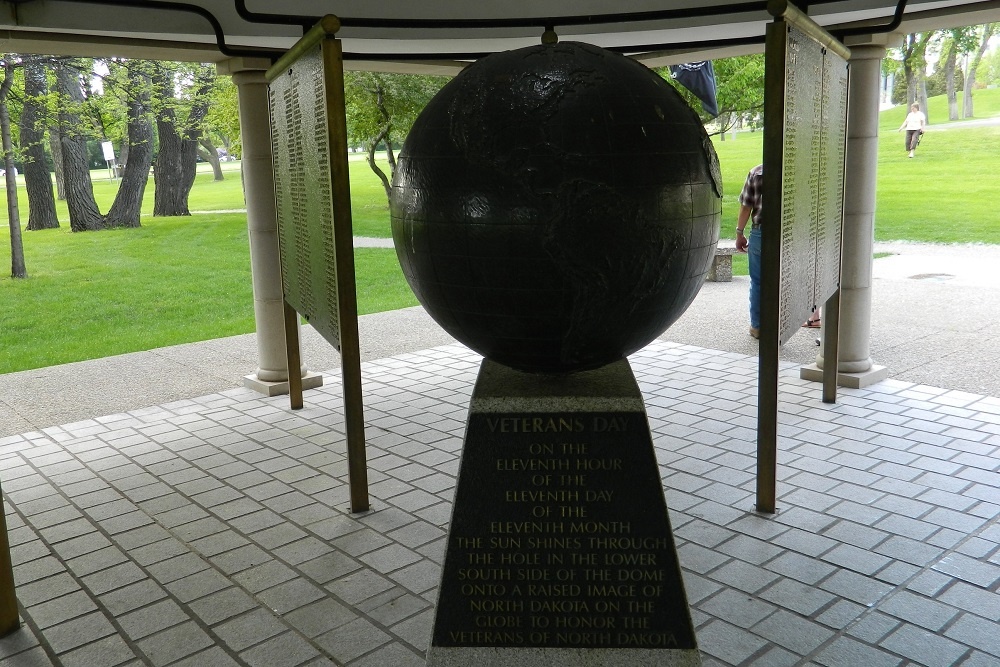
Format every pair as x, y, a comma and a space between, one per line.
215, 531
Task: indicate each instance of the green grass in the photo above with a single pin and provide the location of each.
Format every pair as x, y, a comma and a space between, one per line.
177, 280
947, 194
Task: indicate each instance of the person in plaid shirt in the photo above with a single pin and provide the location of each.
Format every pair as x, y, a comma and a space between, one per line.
750, 211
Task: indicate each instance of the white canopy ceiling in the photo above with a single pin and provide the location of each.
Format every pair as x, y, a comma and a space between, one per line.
425, 33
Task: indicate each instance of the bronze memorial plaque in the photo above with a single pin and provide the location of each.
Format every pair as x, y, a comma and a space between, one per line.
303, 193
815, 127
560, 538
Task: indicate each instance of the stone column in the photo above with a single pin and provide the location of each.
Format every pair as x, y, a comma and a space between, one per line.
856, 368
271, 377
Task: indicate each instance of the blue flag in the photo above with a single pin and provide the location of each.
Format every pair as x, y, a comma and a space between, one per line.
699, 78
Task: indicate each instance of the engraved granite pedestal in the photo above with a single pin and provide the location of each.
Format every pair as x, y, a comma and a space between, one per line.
560, 551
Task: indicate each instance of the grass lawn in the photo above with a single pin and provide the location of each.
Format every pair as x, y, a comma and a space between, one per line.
178, 280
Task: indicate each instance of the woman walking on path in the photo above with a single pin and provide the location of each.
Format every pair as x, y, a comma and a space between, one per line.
914, 126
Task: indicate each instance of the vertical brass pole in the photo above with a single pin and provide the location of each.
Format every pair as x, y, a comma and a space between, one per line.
294, 357
770, 289
9, 620
831, 347
831, 312
350, 352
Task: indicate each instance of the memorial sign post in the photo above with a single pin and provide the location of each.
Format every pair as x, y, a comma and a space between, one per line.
805, 135
315, 236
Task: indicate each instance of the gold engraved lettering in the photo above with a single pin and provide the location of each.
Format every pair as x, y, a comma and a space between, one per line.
560, 606
583, 638
505, 543
627, 543
542, 496
535, 424
483, 574
547, 543
553, 590
486, 638
497, 621
611, 590
501, 606
585, 622
598, 464
520, 558
652, 639
598, 527
533, 465
629, 559
502, 527
610, 424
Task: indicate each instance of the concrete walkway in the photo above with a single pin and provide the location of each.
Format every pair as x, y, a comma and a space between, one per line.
160, 515
933, 322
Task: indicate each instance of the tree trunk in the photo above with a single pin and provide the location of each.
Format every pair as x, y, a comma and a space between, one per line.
37, 181
55, 145
970, 78
17, 266
211, 155
386, 185
123, 156
83, 212
126, 209
170, 197
949, 80
176, 164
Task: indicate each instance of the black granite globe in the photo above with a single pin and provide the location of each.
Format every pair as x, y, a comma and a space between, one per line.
557, 207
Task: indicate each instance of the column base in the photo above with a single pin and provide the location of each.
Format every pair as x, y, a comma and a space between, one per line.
867, 378
309, 381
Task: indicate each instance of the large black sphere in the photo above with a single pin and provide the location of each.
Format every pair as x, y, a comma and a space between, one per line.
557, 207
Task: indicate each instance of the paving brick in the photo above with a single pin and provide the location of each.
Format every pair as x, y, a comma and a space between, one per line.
133, 596
977, 632
738, 608
923, 647
154, 618
108, 652
848, 652
175, 643
197, 585
976, 572
221, 605
793, 632
320, 617
244, 631
798, 597
728, 643
76, 632
287, 650
290, 595
352, 640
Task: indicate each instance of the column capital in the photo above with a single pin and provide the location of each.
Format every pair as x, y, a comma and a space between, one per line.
234, 66
881, 41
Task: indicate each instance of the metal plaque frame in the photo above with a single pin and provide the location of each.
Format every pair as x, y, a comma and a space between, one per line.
805, 137
315, 232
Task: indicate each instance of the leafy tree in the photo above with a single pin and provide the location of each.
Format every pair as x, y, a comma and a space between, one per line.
182, 94
17, 265
957, 41
914, 61
988, 72
83, 212
34, 119
739, 91
983, 35
223, 117
381, 109
126, 208
78, 121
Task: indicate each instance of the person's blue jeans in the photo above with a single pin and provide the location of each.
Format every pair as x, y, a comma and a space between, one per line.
753, 258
